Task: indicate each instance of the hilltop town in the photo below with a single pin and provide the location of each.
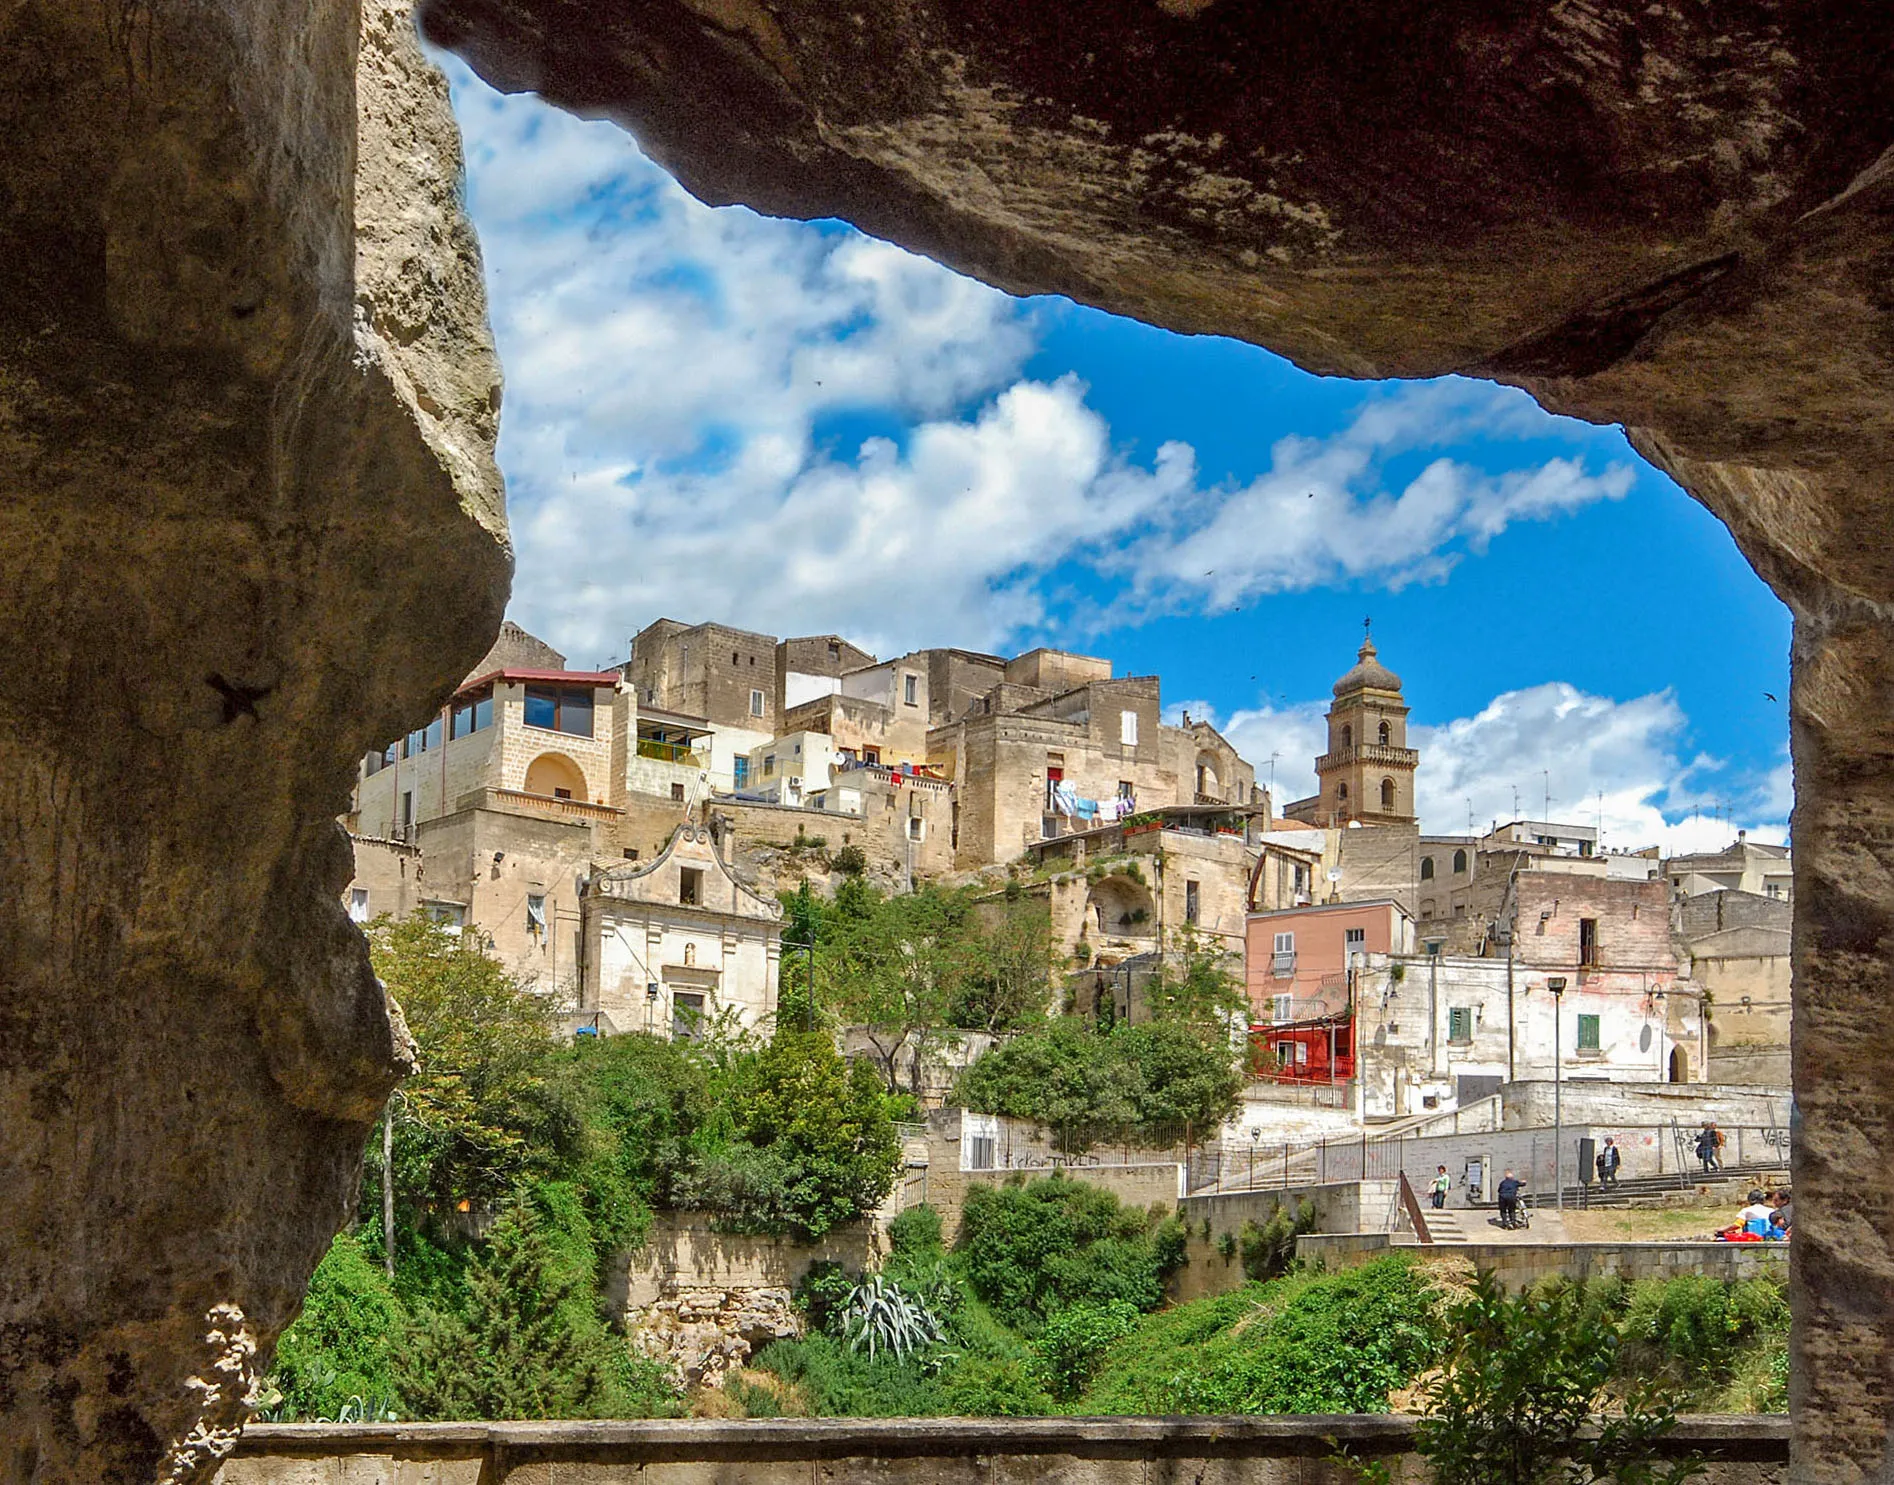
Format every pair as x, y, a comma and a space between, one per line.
620, 839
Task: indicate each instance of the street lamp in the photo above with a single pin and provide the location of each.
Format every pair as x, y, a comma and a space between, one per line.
650, 1004
1256, 1134
1556, 984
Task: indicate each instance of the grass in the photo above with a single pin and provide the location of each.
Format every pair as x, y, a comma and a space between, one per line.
1648, 1224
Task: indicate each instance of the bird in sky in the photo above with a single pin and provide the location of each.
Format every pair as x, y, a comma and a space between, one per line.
1770, 696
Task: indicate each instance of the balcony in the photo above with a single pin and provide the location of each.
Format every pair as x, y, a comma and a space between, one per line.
520, 802
1370, 753
669, 752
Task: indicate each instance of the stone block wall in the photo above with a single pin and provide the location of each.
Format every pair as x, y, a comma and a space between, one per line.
1521, 1265
905, 1451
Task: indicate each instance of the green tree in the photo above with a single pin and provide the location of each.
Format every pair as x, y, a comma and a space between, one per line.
529, 1342
825, 1124
1198, 987
900, 972
481, 1112
1009, 981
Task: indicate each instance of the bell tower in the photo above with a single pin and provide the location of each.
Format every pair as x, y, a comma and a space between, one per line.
1367, 774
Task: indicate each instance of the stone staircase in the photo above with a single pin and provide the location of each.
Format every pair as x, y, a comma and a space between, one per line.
1444, 1226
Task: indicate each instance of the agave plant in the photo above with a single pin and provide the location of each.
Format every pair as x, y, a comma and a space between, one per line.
879, 1316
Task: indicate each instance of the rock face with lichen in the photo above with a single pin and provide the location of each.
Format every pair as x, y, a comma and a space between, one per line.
250, 524
1677, 216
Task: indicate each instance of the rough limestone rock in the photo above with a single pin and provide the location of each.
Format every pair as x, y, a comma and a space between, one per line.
1675, 215
249, 525
705, 1334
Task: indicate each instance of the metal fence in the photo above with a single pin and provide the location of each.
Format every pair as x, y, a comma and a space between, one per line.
1649, 1150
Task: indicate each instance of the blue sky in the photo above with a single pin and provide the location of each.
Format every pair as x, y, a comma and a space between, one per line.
790, 427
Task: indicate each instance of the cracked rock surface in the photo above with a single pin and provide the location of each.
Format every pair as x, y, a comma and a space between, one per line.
1678, 216
250, 524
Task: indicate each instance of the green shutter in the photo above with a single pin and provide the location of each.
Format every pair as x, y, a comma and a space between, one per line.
1588, 1033
1459, 1024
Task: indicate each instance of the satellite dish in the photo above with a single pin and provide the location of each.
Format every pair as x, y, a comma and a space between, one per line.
1334, 873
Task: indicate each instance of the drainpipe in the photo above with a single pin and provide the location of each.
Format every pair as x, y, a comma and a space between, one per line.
1433, 1015
1511, 1072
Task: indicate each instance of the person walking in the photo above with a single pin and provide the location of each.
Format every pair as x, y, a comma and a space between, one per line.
1608, 1162
1439, 1188
1509, 1188
1706, 1146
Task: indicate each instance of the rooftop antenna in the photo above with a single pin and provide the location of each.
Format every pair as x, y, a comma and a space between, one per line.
1546, 773
1515, 801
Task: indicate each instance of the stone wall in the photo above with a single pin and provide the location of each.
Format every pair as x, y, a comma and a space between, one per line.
1521, 1265
1529, 1104
907, 1451
703, 1301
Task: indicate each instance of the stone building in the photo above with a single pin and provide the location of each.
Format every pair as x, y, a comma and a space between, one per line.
1738, 949
727, 676
1367, 774
813, 665
1745, 866
1302, 961
678, 941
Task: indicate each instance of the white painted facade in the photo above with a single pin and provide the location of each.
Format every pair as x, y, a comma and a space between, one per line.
677, 939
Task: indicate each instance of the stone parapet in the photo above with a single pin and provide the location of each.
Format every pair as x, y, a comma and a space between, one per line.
989, 1451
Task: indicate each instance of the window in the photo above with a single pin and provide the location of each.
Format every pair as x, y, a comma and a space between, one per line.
566, 709
677, 793
911, 689
1386, 734
917, 827
756, 703
450, 915
1341, 793
740, 771
1284, 962
1387, 795
769, 765
423, 738
1460, 1023
872, 756
559, 793
631, 853
1459, 862
1588, 1033
358, 904
690, 886
1192, 902
1355, 941
536, 914
1128, 729
735, 658
1281, 1008
1348, 736
1125, 790
1588, 942
470, 714
407, 811
1427, 868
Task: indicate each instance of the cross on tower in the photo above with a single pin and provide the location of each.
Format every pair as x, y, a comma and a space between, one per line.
1367, 628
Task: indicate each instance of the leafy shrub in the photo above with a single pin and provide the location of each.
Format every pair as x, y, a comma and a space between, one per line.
1030, 1248
821, 1293
915, 1230
1268, 1250
1076, 1339
840, 1383
984, 1387
339, 1354
879, 1317
1305, 1344
1523, 1382
1695, 1331
850, 861
1226, 1244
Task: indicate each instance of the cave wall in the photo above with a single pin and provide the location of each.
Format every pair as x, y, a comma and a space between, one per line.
249, 524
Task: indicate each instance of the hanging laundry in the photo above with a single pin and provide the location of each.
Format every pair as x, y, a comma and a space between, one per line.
1065, 799
1087, 809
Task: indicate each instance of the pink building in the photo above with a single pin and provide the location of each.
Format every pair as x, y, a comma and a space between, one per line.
1297, 959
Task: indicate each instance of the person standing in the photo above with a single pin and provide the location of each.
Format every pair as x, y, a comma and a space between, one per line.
1509, 1188
1608, 1162
1706, 1146
1439, 1188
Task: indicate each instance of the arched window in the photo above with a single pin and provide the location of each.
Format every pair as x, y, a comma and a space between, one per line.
1427, 868
555, 776
1341, 793
1348, 736
1387, 795
1386, 734
1459, 861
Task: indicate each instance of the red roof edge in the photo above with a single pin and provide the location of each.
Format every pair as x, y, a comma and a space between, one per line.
568, 677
